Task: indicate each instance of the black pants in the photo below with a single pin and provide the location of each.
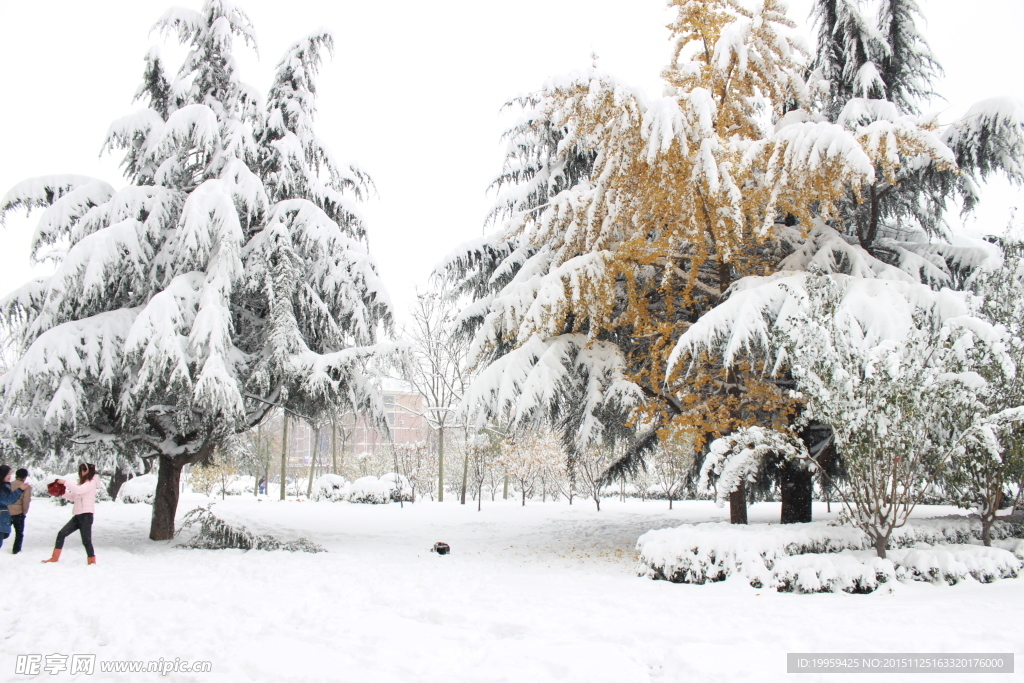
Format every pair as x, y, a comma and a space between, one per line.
83, 523
18, 522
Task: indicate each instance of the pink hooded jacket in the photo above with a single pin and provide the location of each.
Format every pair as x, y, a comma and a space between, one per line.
83, 495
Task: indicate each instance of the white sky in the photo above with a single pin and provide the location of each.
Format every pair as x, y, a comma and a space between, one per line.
413, 93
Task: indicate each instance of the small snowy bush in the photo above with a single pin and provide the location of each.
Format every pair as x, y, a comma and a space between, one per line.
369, 490
239, 486
953, 563
330, 487
390, 487
141, 489
401, 489
849, 571
213, 533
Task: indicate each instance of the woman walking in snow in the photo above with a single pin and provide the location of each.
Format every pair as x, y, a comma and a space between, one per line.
83, 494
7, 496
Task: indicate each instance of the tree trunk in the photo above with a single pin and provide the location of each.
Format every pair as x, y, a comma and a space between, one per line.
312, 463
880, 543
504, 495
440, 464
334, 445
797, 486
986, 529
165, 502
524, 496
465, 478
284, 455
259, 456
738, 505
116, 482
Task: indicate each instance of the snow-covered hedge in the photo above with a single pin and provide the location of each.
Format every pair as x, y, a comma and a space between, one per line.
240, 486
369, 490
330, 487
401, 489
849, 571
141, 489
389, 488
821, 557
1013, 545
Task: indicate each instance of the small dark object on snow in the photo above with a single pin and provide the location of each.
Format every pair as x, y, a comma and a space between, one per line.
55, 489
441, 549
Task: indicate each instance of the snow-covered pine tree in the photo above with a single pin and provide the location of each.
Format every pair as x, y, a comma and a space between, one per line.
230, 276
890, 224
879, 73
624, 220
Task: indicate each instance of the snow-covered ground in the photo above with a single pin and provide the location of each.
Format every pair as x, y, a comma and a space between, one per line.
547, 592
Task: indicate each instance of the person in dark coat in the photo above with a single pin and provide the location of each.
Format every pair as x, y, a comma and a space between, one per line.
19, 508
8, 495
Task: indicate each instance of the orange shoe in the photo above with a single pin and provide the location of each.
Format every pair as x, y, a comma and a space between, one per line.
54, 557
91, 560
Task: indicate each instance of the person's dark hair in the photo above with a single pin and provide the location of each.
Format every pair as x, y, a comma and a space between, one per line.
4, 471
86, 471
21, 474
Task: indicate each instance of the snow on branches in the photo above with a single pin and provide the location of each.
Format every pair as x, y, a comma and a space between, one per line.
741, 456
900, 406
230, 276
623, 219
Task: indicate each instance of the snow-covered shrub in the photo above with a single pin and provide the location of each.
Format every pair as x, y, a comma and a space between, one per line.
849, 571
141, 489
214, 533
952, 529
401, 489
330, 487
699, 553
1013, 545
239, 486
370, 490
953, 563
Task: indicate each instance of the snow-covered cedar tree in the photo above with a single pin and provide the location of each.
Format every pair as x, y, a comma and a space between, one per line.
868, 78
872, 76
904, 397
978, 478
744, 457
230, 276
621, 220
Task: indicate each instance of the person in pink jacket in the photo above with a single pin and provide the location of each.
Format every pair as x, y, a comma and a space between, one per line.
83, 495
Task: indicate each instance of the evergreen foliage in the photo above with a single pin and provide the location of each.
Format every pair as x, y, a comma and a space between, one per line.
213, 533
231, 275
